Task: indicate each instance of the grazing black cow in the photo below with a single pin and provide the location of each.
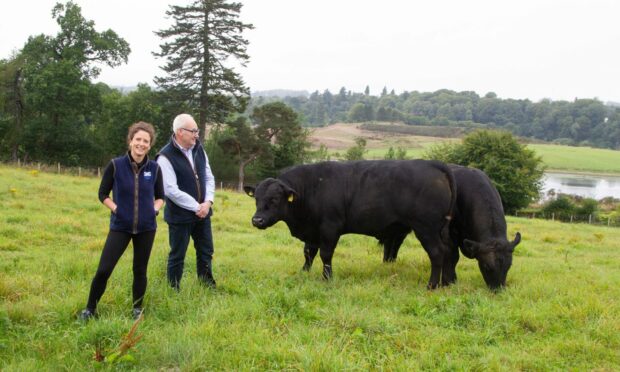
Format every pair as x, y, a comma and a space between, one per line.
320, 202
478, 229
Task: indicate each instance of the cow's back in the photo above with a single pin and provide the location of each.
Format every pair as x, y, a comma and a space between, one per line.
479, 213
367, 197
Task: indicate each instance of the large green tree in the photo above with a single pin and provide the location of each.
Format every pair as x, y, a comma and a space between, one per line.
280, 126
54, 79
205, 35
11, 106
515, 170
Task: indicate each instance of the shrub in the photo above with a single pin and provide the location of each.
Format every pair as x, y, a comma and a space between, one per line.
562, 206
515, 170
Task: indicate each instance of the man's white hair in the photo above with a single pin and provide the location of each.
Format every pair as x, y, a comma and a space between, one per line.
180, 121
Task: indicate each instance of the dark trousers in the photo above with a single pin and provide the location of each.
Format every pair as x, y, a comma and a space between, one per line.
179, 235
114, 247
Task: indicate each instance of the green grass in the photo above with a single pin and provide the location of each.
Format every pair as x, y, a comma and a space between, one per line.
559, 312
580, 159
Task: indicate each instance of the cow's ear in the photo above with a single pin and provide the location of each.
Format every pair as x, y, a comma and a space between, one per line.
515, 242
291, 194
470, 248
249, 190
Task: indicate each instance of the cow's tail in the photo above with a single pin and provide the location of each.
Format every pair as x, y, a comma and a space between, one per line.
445, 231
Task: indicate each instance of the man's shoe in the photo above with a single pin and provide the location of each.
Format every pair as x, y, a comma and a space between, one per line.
137, 311
208, 281
87, 314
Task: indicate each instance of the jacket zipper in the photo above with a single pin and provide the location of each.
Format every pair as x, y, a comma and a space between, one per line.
136, 190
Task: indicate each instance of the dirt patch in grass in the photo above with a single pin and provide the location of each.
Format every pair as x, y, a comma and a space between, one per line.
341, 136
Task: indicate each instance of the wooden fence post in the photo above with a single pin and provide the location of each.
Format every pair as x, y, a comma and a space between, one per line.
98, 172
552, 216
590, 219
79, 171
58, 168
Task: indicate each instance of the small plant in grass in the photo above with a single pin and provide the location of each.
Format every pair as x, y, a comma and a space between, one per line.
121, 354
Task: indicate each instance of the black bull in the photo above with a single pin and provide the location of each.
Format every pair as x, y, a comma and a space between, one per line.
478, 228
320, 202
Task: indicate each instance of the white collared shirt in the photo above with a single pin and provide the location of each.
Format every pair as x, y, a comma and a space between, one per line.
171, 187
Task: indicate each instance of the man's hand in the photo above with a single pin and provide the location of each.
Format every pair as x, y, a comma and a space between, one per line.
204, 209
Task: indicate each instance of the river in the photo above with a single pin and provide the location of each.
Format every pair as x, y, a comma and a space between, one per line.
588, 186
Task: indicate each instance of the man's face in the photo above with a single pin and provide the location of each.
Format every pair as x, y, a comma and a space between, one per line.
188, 133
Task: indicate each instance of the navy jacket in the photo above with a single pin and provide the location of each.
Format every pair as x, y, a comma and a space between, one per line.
134, 194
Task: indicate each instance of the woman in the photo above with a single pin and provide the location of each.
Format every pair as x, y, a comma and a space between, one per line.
138, 195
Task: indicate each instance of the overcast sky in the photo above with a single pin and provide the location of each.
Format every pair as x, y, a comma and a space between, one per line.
516, 48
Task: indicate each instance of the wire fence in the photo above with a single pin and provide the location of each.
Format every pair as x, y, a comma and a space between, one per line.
92, 172
592, 219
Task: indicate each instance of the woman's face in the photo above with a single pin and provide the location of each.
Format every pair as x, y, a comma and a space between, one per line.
140, 144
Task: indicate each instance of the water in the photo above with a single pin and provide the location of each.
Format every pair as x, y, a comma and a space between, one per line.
596, 187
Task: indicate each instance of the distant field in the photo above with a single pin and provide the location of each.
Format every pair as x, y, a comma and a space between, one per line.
581, 159
339, 137
559, 312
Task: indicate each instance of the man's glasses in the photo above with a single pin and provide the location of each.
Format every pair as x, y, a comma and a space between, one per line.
192, 131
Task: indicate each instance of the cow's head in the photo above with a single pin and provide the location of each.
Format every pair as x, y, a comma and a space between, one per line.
494, 258
273, 199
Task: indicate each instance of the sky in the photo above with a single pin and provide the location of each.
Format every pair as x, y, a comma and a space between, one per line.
518, 49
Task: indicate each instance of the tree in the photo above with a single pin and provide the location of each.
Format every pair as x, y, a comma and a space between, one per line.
241, 141
276, 140
399, 154
280, 126
11, 106
58, 97
205, 35
515, 170
356, 152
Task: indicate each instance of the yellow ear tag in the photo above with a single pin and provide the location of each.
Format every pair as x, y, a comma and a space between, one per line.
290, 198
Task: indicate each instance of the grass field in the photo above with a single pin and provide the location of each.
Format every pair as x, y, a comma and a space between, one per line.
579, 159
559, 312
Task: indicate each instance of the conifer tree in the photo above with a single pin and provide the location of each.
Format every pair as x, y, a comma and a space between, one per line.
205, 35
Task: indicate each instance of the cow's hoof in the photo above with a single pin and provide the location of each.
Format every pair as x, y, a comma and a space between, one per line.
327, 272
432, 286
306, 268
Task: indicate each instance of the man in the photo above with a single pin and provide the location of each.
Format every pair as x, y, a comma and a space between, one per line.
189, 187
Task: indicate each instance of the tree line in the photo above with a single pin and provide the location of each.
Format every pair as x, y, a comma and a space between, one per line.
51, 111
583, 122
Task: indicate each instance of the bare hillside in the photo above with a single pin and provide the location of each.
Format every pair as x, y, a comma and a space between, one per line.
342, 136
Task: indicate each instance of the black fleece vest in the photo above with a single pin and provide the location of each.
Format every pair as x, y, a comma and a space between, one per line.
189, 180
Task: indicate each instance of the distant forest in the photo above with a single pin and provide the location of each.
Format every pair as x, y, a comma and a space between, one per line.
583, 122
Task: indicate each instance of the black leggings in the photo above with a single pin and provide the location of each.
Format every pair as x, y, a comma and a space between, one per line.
114, 247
